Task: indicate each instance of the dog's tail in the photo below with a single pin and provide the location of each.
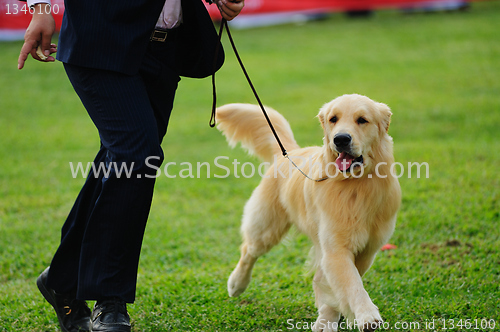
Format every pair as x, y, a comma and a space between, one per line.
246, 124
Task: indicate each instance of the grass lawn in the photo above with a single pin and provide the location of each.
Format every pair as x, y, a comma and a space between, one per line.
439, 73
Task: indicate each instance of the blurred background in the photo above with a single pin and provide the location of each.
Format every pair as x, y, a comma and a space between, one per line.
14, 16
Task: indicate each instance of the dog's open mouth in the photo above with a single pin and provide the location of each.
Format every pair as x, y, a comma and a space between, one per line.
345, 161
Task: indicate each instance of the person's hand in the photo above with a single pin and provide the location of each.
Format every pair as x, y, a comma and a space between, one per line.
39, 32
229, 9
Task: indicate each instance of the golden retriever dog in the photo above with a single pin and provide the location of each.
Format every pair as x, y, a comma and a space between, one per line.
348, 216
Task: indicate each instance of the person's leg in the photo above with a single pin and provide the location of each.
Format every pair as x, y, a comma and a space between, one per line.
161, 77
63, 273
112, 237
72, 314
115, 204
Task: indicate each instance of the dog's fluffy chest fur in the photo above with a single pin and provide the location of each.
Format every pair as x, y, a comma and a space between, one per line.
357, 211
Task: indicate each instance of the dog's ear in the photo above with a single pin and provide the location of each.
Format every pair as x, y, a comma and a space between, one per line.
321, 118
321, 114
386, 113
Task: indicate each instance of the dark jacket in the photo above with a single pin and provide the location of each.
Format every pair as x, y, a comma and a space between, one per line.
114, 35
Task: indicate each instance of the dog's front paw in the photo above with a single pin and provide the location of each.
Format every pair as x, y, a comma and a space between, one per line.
369, 322
237, 282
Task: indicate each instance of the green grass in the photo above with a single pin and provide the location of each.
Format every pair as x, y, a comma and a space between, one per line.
440, 74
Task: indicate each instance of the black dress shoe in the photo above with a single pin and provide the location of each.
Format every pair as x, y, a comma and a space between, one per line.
110, 316
73, 314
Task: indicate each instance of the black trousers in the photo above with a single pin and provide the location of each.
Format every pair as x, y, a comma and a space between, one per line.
102, 237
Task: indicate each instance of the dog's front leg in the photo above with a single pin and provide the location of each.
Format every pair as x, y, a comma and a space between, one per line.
328, 317
344, 279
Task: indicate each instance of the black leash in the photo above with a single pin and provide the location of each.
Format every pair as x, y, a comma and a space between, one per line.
212, 123
214, 90
223, 25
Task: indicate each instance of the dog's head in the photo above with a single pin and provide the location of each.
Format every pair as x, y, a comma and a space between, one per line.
355, 127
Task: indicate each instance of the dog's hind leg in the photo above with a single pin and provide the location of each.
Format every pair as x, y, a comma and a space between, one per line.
264, 224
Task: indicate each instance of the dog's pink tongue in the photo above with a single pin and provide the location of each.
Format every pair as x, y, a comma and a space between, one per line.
344, 161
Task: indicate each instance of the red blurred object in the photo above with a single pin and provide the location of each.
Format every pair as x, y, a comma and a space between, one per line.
388, 246
283, 6
15, 16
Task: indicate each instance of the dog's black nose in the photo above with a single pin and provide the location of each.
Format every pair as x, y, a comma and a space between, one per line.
342, 140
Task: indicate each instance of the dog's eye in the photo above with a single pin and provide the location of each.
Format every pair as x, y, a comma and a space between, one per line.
334, 119
361, 120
